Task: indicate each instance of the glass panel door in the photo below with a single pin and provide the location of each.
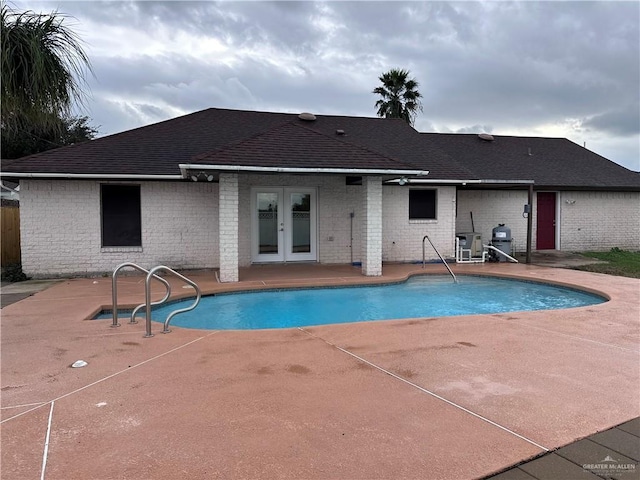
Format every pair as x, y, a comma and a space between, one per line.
268, 225
300, 226
283, 224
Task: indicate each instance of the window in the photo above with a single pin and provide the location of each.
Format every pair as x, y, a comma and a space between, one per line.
422, 204
121, 224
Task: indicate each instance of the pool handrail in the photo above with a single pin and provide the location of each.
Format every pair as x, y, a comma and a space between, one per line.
175, 312
426, 237
114, 292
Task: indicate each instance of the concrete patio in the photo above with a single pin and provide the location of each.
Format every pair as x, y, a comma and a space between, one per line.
446, 398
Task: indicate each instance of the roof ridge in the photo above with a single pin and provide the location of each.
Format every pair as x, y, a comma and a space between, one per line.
327, 115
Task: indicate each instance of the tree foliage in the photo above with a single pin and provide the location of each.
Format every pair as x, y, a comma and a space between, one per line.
34, 139
43, 75
399, 94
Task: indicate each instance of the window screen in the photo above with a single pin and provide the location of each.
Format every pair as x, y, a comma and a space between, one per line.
422, 204
121, 224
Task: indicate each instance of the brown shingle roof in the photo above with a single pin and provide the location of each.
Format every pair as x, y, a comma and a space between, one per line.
293, 145
550, 162
154, 149
158, 149
236, 137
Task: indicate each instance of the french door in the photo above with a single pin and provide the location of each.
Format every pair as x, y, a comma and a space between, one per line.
283, 224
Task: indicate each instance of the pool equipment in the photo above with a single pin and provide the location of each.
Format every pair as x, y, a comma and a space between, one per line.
498, 253
469, 248
501, 241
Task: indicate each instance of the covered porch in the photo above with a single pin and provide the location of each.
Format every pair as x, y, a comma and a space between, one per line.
285, 218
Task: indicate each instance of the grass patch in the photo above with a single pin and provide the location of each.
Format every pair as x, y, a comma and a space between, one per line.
622, 263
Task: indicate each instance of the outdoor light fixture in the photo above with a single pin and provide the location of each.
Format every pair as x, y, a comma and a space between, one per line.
403, 181
202, 177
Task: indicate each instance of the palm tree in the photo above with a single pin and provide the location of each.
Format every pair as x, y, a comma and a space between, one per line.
400, 97
43, 70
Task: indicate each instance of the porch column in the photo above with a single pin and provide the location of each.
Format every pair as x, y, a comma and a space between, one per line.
228, 227
372, 227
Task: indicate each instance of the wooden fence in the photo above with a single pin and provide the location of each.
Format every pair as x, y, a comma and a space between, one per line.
9, 235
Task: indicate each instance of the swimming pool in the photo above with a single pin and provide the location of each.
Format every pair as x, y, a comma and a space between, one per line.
420, 296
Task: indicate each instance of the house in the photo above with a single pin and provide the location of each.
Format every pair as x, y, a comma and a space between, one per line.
582, 200
226, 188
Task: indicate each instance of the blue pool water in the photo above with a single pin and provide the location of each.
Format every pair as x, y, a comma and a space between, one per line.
422, 296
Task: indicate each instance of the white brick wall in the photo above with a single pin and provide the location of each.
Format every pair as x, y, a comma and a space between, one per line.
586, 220
60, 224
402, 238
599, 220
60, 227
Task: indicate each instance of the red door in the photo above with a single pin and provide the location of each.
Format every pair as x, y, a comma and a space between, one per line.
546, 232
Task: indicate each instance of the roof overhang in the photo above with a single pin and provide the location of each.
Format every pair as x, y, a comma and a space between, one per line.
91, 176
185, 167
488, 184
404, 180
429, 181
508, 182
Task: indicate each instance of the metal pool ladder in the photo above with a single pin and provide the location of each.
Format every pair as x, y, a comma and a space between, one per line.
114, 292
147, 289
426, 237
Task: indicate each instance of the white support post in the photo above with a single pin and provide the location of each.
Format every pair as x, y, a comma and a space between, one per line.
228, 227
372, 227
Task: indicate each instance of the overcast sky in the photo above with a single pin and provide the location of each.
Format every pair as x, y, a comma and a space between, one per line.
557, 69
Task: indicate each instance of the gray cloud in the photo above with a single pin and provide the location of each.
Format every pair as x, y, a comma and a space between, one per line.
621, 122
545, 68
475, 129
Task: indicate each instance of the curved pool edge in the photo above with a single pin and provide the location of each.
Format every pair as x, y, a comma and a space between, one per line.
256, 280
557, 283
340, 283
381, 281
